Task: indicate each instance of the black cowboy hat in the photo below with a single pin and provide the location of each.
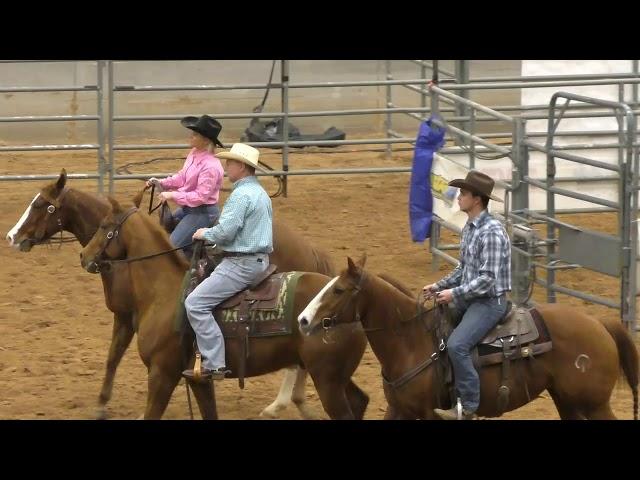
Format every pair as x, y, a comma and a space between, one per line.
205, 126
476, 182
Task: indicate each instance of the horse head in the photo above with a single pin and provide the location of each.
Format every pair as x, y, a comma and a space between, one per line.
106, 243
336, 302
42, 218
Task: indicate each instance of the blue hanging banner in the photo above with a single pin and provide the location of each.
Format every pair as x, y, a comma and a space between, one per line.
430, 139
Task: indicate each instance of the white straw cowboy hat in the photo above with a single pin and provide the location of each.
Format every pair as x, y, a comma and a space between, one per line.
243, 153
476, 182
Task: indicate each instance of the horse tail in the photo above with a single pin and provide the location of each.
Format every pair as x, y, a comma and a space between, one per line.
397, 283
628, 354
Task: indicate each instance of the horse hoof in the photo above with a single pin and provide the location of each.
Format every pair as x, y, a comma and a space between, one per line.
270, 412
306, 413
101, 413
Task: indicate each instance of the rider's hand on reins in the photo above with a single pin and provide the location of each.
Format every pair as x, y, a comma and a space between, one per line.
444, 297
154, 181
199, 234
164, 196
429, 291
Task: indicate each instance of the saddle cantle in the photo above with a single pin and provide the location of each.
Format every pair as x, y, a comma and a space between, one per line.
517, 322
263, 289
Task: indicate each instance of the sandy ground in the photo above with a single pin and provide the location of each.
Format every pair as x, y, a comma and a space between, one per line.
55, 328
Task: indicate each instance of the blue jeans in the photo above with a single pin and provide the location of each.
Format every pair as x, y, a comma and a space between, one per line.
233, 275
479, 317
191, 219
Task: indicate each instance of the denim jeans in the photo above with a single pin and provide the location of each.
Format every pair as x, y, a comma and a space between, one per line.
191, 220
479, 316
230, 277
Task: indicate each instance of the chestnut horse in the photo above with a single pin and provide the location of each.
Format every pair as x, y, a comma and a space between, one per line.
58, 207
402, 337
156, 281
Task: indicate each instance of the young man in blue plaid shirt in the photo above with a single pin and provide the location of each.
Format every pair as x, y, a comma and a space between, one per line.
477, 287
244, 232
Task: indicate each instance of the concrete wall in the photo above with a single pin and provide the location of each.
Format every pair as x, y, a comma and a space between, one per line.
212, 102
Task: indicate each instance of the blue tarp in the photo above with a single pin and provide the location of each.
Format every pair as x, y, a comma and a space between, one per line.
430, 139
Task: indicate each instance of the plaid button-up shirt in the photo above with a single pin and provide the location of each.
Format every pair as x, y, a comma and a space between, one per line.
245, 224
485, 261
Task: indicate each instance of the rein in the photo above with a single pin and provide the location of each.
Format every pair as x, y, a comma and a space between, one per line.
151, 210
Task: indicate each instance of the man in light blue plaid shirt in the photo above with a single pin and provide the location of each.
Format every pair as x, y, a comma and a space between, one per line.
477, 286
244, 232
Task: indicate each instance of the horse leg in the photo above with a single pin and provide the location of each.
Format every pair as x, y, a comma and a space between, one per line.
284, 395
566, 410
120, 339
601, 412
298, 397
206, 398
334, 399
162, 383
393, 413
358, 400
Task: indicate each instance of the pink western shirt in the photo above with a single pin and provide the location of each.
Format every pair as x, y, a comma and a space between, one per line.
199, 181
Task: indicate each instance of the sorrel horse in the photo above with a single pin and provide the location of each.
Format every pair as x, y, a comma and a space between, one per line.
130, 234
401, 335
58, 207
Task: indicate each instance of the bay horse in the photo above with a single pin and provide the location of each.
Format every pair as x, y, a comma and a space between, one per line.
129, 234
402, 337
58, 207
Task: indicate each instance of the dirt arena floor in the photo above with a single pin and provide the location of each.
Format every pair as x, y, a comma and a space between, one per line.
55, 328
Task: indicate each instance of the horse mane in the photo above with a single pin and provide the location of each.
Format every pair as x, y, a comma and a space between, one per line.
50, 193
397, 284
162, 237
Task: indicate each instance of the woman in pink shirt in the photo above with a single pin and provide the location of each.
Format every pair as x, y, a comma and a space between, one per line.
196, 187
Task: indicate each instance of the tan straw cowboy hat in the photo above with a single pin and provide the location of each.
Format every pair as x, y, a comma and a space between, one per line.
476, 182
242, 153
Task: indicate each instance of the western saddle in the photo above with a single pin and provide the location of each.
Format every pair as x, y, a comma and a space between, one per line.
520, 334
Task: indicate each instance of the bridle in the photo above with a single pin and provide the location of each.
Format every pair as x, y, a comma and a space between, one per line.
330, 322
110, 235
53, 208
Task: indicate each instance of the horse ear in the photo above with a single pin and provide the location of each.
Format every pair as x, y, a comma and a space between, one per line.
137, 199
354, 269
362, 261
115, 206
62, 180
